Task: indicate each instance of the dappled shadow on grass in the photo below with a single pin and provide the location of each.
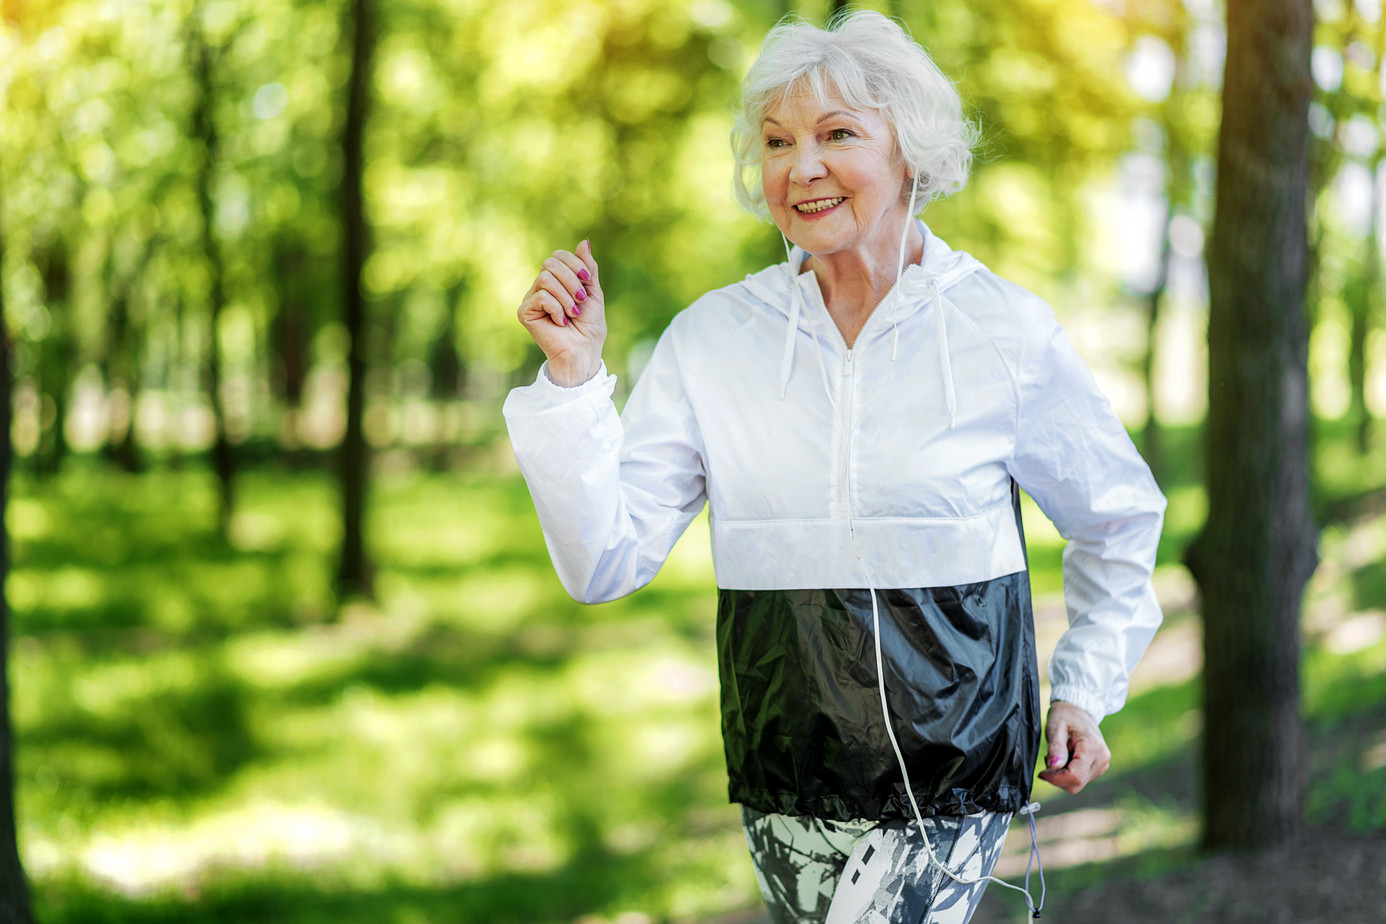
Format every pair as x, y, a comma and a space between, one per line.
179, 741
1369, 586
97, 553
190, 719
489, 749
592, 881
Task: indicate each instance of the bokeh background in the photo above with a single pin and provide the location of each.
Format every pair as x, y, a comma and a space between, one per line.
216, 721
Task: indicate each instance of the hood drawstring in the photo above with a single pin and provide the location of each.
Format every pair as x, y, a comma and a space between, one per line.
944, 365
900, 268
787, 363
796, 311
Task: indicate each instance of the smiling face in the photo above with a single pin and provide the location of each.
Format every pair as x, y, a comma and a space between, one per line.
830, 176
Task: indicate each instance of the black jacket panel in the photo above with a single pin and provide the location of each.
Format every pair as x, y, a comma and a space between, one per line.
801, 712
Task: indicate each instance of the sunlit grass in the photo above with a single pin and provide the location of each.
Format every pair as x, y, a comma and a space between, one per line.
202, 735
473, 726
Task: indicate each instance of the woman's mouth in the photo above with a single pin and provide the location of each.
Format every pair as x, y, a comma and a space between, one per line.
818, 205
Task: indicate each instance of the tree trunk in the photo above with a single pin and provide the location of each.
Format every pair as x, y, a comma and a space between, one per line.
1364, 295
1257, 548
1368, 291
1178, 192
290, 336
447, 378
55, 359
122, 370
354, 572
205, 129
1151, 444
14, 887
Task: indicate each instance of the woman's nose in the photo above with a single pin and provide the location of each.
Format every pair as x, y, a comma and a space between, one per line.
808, 164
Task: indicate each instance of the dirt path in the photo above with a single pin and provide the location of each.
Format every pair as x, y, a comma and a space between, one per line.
1324, 879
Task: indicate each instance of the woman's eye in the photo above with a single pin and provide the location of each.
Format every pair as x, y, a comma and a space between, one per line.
839, 134
774, 142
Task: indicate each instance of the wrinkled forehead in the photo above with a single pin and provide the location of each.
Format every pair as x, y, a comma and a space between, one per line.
822, 90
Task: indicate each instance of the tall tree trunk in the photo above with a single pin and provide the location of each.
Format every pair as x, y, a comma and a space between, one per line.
354, 572
290, 333
205, 129
1151, 444
55, 358
1178, 191
1363, 296
447, 378
122, 370
1360, 301
1257, 548
14, 887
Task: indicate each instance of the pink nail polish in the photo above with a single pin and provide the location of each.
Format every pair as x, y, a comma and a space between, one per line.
584, 275
580, 294
1052, 762
577, 311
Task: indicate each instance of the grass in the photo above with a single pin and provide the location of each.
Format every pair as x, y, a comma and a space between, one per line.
202, 736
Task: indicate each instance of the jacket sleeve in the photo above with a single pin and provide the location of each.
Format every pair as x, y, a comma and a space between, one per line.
1074, 457
613, 493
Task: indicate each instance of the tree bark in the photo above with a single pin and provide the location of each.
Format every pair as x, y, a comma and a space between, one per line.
205, 129
1178, 191
15, 907
290, 336
1257, 548
1361, 297
1361, 302
56, 354
354, 572
1152, 445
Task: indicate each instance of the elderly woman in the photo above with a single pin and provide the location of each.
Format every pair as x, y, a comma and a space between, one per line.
858, 419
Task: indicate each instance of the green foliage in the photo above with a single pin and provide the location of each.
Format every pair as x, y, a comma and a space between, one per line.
499, 131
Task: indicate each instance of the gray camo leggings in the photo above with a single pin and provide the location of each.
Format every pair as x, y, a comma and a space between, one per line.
815, 871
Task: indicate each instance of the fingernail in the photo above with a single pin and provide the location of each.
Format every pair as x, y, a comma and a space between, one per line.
576, 311
584, 275
580, 294
1052, 762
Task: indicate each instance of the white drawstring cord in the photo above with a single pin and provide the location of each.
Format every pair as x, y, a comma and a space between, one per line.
900, 268
944, 364
1028, 810
788, 362
947, 370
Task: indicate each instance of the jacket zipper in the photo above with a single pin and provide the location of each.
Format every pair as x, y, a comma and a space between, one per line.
848, 390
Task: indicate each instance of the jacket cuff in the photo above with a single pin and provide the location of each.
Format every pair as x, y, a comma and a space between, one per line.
543, 394
591, 384
1083, 699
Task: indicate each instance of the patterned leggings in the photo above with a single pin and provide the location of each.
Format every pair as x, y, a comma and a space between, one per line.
815, 871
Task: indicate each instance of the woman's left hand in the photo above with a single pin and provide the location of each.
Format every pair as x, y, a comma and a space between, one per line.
1077, 753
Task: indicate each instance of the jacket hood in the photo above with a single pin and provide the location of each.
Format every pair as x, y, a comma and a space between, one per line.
774, 285
939, 269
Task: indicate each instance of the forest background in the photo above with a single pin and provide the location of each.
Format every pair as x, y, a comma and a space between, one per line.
285, 640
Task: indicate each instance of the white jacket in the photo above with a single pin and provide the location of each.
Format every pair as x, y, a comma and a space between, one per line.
903, 448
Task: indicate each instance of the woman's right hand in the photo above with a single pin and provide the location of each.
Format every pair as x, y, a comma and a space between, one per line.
565, 312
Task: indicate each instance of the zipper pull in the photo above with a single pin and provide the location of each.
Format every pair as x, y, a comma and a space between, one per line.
847, 365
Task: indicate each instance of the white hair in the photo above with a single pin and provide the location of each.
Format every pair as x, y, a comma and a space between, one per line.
870, 62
